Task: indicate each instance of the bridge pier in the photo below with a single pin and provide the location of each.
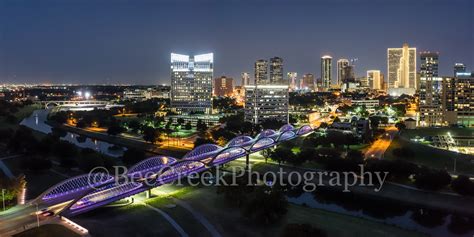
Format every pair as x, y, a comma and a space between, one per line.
247, 162
148, 194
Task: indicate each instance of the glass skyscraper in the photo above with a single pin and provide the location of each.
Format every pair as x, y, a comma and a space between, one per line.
191, 83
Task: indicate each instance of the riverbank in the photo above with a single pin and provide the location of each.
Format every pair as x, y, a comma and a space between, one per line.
438, 201
120, 141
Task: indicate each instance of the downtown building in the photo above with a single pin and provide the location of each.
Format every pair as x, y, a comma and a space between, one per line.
326, 72
401, 70
375, 79
341, 73
191, 83
223, 86
267, 98
293, 80
459, 99
430, 91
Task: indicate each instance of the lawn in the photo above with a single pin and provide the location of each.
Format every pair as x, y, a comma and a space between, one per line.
131, 220
423, 132
228, 220
432, 157
50, 230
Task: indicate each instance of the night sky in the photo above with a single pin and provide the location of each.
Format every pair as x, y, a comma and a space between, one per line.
105, 42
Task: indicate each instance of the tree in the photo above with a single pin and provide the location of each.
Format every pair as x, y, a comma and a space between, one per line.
323, 125
432, 179
134, 125
400, 126
115, 129
374, 122
282, 154
201, 126
151, 134
267, 206
200, 141
188, 126
132, 156
180, 121
302, 230
463, 185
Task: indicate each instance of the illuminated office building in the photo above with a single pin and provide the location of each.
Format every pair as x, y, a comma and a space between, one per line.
245, 76
459, 67
261, 72
293, 80
326, 71
191, 83
276, 71
401, 70
374, 79
223, 86
307, 82
341, 64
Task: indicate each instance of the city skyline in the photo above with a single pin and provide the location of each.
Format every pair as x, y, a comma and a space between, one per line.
134, 47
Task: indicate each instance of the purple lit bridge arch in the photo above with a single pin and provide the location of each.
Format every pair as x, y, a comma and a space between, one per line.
87, 192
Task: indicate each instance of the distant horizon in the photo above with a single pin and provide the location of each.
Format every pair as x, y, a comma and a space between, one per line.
120, 42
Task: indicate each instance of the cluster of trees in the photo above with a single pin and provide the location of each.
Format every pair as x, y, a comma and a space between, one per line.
8, 110
146, 106
225, 104
305, 100
40, 151
12, 188
425, 178
302, 230
259, 203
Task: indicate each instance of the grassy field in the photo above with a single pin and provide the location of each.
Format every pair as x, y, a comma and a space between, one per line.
132, 220
50, 230
432, 157
228, 220
423, 132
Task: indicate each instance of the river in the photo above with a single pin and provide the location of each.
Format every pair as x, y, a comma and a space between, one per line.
36, 121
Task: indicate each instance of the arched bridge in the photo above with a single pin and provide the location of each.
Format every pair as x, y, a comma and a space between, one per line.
78, 104
88, 192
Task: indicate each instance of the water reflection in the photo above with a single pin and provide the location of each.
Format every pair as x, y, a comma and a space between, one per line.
432, 222
37, 122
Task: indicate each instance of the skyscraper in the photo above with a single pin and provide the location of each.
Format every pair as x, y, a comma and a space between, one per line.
261, 72
326, 71
307, 82
429, 64
293, 80
374, 79
341, 63
267, 99
459, 67
191, 83
276, 71
223, 86
245, 79
401, 70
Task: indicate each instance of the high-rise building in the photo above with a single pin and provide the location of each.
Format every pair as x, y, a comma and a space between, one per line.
268, 98
326, 71
293, 80
459, 67
191, 83
266, 102
431, 97
308, 82
276, 71
459, 99
245, 77
341, 63
374, 79
429, 64
261, 72
223, 86
401, 70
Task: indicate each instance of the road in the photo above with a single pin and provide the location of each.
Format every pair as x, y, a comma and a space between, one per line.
378, 148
